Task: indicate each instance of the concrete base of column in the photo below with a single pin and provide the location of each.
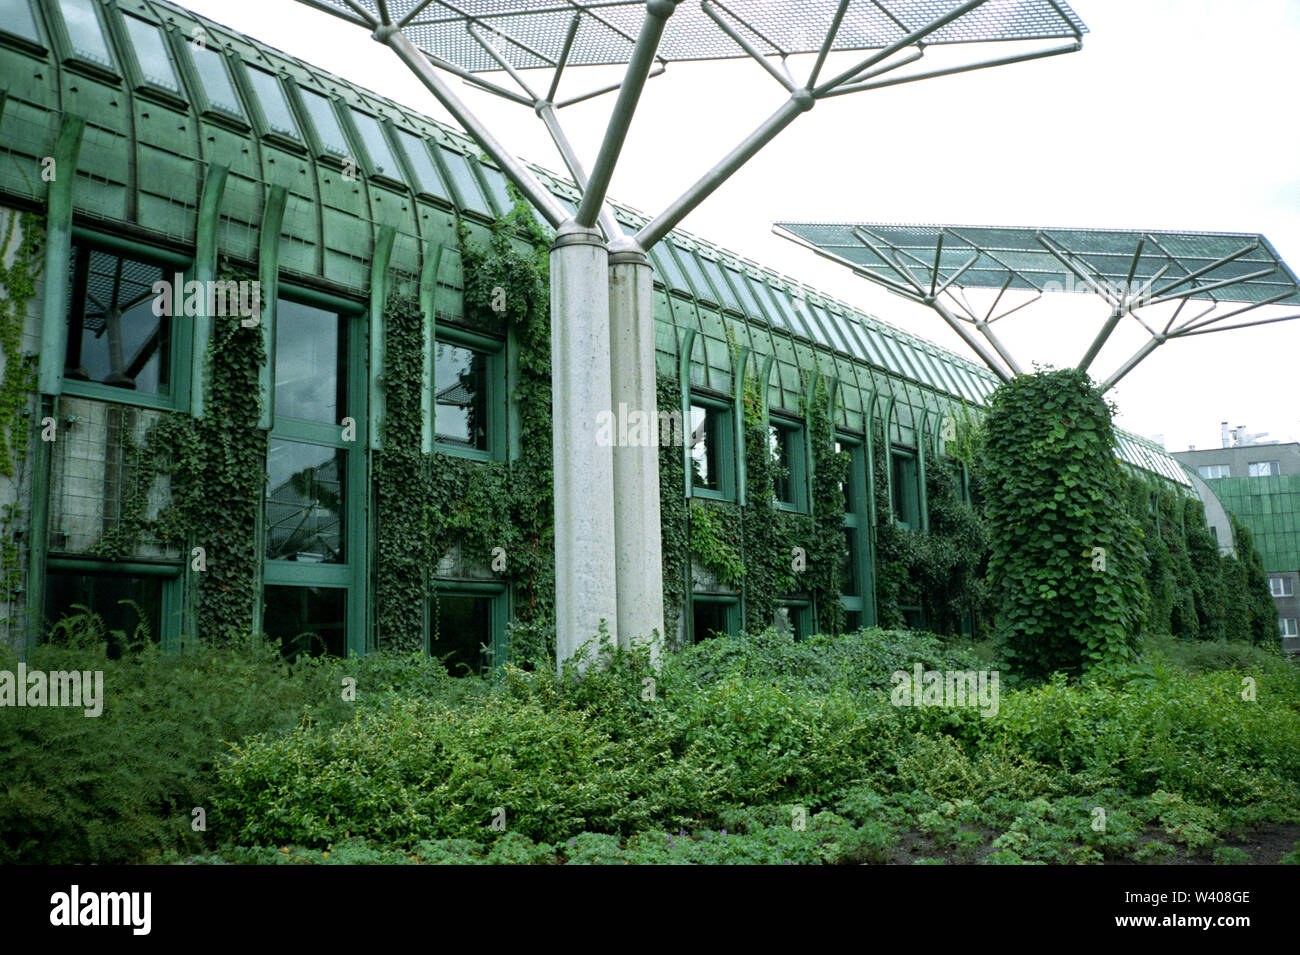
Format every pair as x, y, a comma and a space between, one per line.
585, 589
637, 537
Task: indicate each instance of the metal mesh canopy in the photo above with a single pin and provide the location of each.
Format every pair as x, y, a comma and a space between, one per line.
532, 33
1217, 266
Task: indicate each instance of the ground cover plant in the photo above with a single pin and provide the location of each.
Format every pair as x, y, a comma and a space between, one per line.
750, 749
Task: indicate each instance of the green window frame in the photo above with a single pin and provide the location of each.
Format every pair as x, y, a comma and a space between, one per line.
349, 573
494, 408
376, 149
905, 488
213, 80
19, 26
787, 445
179, 334
81, 33
423, 171
170, 576
728, 607
794, 617
150, 63
272, 107
721, 435
324, 130
855, 591
497, 598
465, 185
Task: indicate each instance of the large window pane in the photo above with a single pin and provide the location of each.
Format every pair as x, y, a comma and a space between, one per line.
326, 122
427, 179
114, 337
714, 272
129, 608
85, 31
704, 448
16, 18
710, 618
464, 629
470, 193
151, 52
306, 620
275, 106
496, 181
305, 503
460, 381
216, 80
381, 155
310, 350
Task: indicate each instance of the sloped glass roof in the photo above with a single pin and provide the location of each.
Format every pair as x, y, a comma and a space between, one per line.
532, 33
1217, 266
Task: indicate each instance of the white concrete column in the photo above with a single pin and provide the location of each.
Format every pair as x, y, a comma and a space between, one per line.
585, 589
637, 540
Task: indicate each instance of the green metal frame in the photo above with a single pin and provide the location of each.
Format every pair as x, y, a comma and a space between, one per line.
172, 609
354, 574
498, 611
729, 461
205, 270
731, 603
498, 448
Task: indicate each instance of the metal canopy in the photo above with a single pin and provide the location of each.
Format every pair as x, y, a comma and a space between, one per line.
1128, 269
533, 33
472, 38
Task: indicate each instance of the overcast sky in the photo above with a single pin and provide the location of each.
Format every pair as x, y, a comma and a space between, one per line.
1177, 114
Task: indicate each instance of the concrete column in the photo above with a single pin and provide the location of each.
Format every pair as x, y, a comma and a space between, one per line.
637, 540
585, 589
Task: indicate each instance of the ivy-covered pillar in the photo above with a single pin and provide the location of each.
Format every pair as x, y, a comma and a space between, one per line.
585, 581
638, 544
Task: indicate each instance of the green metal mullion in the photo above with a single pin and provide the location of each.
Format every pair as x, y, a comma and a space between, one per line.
923, 502
738, 421
205, 271
58, 253
428, 292
40, 522
383, 250
268, 271
360, 539
684, 381
889, 455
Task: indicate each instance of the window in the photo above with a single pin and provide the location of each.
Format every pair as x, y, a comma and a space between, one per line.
1211, 471
305, 503
427, 179
310, 363
470, 635
855, 573
215, 78
713, 617
711, 457
468, 394
314, 524
323, 117
906, 497
1263, 469
382, 162
462, 177
155, 63
114, 337
85, 32
275, 105
16, 18
703, 290
133, 607
670, 273
306, 621
1280, 586
714, 272
785, 444
794, 618
497, 185
1287, 627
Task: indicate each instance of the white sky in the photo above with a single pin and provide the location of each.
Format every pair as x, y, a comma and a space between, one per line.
1177, 114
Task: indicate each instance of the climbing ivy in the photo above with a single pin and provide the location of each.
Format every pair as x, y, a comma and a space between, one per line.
674, 516
430, 504
17, 286
1067, 559
827, 550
